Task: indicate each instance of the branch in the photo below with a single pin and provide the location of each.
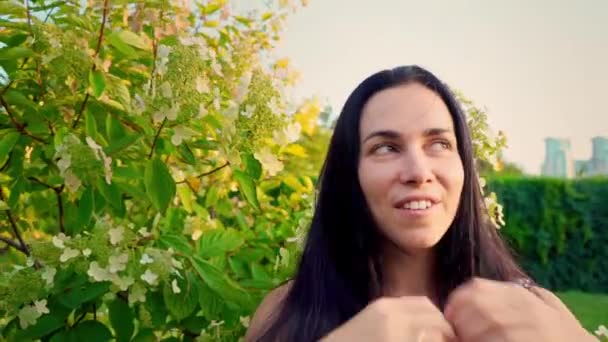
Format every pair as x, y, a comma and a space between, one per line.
60, 205
34, 179
99, 39
206, 173
156, 138
19, 126
16, 232
58, 190
13, 244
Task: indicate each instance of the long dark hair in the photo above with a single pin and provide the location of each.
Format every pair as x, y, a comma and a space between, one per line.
338, 273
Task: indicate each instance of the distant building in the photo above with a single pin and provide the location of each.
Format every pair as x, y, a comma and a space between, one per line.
559, 163
558, 159
599, 157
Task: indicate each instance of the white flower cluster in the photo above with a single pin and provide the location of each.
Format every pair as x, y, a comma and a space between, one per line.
162, 55
101, 155
65, 161
602, 331
29, 314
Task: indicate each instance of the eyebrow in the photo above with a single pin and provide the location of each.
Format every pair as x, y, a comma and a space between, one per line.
390, 134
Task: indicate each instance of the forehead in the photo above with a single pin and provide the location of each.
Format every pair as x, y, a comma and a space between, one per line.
408, 109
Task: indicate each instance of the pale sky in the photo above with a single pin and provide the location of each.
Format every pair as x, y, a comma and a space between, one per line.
540, 67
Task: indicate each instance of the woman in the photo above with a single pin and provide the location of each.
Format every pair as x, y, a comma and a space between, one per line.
400, 248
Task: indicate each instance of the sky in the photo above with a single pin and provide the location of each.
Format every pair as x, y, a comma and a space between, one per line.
539, 67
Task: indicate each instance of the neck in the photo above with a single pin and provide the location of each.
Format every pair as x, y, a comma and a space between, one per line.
408, 274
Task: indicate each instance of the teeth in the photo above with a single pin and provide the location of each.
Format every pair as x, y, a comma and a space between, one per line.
417, 205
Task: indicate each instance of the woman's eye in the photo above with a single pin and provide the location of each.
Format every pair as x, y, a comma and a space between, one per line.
383, 149
441, 145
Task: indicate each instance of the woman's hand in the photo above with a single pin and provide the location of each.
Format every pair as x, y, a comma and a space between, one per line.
400, 319
492, 311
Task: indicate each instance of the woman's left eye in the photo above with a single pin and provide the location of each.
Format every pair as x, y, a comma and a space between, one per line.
441, 145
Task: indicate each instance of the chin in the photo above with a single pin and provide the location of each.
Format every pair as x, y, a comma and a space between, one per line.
418, 241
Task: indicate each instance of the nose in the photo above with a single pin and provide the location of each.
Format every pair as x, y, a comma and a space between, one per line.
415, 168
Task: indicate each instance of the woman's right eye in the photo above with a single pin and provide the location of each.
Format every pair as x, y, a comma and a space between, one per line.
383, 149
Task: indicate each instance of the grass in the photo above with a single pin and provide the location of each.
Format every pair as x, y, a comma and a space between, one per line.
590, 309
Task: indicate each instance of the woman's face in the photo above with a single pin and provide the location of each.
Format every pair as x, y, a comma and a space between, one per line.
409, 168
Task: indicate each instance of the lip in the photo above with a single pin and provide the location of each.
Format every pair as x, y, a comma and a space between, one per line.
400, 203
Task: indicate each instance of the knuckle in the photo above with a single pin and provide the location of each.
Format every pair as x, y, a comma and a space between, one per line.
383, 305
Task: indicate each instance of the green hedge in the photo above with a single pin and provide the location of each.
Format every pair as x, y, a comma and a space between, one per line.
558, 228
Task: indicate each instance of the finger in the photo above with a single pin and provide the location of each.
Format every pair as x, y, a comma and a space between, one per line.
550, 299
434, 324
479, 291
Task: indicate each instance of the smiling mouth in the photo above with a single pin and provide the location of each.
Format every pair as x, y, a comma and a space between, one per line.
418, 205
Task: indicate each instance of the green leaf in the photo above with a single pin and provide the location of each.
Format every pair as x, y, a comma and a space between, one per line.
267, 16
114, 129
82, 294
211, 197
160, 186
121, 318
239, 267
247, 186
6, 145
97, 82
195, 324
187, 154
122, 143
177, 242
132, 39
92, 331
211, 304
220, 283
86, 205
18, 99
44, 326
120, 45
16, 191
12, 8
216, 242
243, 20
63, 336
213, 7
145, 335
11, 38
180, 305
155, 305
259, 273
252, 166
90, 124
111, 193
120, 92
185, 196
13, 53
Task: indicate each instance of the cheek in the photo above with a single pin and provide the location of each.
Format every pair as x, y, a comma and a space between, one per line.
374, 180
454, 180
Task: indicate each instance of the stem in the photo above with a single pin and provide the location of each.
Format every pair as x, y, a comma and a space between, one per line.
99, 40
156, 138
206, 173
19, 126
34, 179
16, 232
79, 319
3, 167
58, 190
60, 205
13, 244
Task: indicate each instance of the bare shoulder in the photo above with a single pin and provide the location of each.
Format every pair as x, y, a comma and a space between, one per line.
266, 309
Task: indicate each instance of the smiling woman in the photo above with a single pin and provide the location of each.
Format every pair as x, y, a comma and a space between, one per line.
400, 248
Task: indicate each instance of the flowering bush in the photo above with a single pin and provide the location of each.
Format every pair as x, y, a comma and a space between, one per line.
151, 168
142, 149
